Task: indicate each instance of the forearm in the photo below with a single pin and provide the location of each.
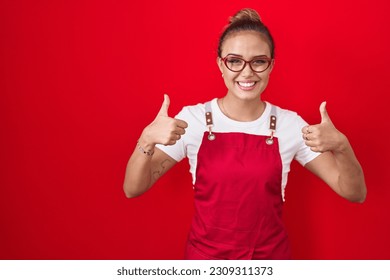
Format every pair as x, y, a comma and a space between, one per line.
337, 165
351, 183
147, 164
138, 177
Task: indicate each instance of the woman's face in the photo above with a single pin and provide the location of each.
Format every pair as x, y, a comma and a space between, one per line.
246, 84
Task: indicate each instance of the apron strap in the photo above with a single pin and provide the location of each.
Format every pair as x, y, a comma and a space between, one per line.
272, 121
209, 120
270, 140
272, 126
210, 123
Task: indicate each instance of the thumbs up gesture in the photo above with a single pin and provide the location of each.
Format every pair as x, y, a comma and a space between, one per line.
164, 129
324, 136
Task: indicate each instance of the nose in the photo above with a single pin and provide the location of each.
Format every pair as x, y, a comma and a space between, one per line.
247, 71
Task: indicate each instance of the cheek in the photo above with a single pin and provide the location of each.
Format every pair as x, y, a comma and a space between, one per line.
264, 81
229, 82
229, 76
264, 77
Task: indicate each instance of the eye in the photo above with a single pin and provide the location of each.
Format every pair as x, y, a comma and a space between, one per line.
234, 61
259, 61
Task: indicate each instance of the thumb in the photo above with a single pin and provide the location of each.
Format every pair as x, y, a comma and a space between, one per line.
164, 107
324, 113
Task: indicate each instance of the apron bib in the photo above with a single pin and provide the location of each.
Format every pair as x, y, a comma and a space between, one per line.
238, 202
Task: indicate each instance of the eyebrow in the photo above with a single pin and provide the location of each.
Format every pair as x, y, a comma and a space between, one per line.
233, 54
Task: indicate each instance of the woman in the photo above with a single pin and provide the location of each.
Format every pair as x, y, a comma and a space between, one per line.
240, 149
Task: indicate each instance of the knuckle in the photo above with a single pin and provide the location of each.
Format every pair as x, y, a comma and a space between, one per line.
167, 140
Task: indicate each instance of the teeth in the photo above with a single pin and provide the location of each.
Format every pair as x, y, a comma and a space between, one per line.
246, 84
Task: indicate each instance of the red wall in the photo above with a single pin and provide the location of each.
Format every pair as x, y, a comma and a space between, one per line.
80, 79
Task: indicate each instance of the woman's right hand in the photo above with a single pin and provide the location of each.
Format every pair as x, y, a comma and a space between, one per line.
164, 129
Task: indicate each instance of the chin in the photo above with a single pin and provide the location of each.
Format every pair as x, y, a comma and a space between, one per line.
248, 96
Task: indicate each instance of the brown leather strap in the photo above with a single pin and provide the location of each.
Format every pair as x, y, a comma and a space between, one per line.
209, 118
272, 122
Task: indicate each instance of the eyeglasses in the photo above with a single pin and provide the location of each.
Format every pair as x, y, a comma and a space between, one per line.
237, 64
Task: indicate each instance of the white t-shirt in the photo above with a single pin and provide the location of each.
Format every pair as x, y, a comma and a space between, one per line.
288, 132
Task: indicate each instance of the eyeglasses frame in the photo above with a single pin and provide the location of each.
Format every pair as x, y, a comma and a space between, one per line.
269, 60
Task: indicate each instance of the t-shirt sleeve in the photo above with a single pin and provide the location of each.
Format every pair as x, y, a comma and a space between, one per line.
304, 154
177, 151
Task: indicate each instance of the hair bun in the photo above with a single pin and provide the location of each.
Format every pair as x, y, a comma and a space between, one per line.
246, 20
245, 15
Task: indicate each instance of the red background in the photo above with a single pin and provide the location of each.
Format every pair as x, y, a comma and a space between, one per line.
80, 79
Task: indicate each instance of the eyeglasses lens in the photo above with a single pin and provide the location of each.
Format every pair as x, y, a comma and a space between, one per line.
236, 64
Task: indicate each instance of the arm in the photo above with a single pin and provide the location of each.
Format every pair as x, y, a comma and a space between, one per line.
337, 165
147, 164
143, 171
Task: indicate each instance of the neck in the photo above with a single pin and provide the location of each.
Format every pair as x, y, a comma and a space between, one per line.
241, 110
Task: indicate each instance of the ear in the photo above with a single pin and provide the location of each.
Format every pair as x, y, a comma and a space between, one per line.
220, 64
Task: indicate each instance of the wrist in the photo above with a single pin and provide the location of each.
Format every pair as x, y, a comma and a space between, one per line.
145, 145
146, 149
343, 146
146, 139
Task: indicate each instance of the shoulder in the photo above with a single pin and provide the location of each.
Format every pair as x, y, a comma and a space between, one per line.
193, 112
288, 120
284, 114
194, 115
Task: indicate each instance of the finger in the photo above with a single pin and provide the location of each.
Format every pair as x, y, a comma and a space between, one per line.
305, 129
164, 107
181, 123
170, 143
308, 129
315, 146
179, 131
175, 137
311, 144
324, 113
315, 149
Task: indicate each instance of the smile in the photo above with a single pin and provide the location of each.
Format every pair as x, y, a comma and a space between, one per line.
246, 85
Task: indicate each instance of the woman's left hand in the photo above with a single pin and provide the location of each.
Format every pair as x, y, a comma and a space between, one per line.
324, 136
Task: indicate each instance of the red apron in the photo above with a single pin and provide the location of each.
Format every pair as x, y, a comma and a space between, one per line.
238, 202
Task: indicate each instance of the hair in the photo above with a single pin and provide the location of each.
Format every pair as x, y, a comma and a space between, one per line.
246, 20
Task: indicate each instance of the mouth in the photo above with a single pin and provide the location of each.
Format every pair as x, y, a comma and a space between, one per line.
246, 85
